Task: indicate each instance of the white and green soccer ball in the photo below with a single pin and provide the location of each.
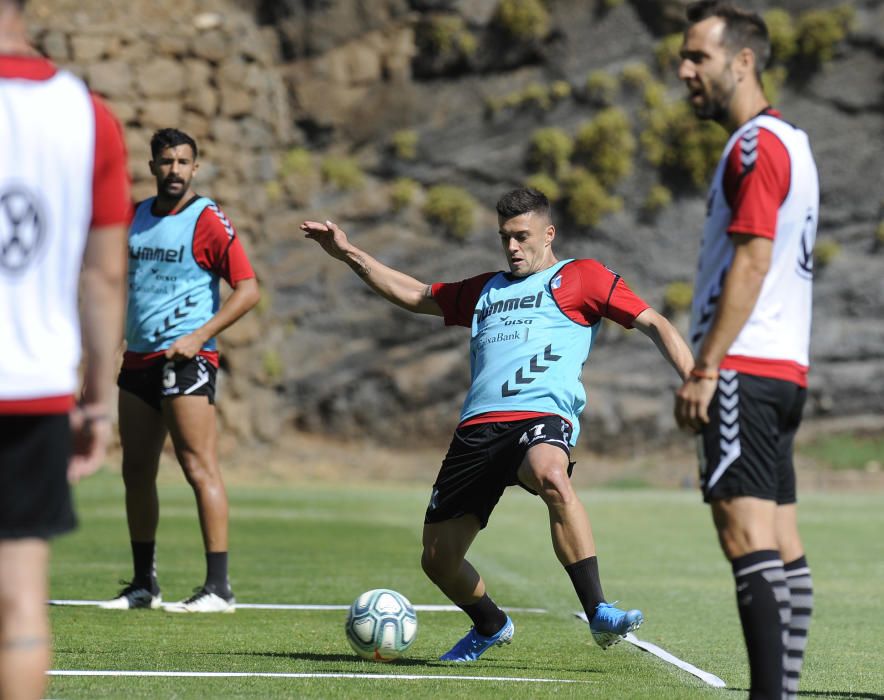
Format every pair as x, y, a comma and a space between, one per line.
381, 625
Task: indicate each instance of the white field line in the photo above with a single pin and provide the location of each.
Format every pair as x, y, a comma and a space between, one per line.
283, 606
363, 676
660, 653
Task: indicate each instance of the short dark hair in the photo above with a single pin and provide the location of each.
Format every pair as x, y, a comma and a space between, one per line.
521, 201
742, 29
169, 138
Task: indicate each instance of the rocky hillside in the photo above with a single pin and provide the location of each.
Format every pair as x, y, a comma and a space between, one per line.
403, 120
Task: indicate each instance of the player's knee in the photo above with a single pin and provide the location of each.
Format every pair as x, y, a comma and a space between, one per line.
136, 475
737, 541
554, 486
198, 469
436, 565
430, 565
21, 610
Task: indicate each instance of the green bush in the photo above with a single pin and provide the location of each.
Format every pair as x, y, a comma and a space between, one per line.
601, 87
452, 208
819, 31
560, 90
675, 140
658, 197
772, 80
274, 191
493, 105
550, 150
532, 95
404, 143
342, 172
606, 145
668, 53
783, 38
403, 192
272, 365
636, 75
654, 95
542, 182
525, 20
588, 201
296, 161
677, 297
535, 94
445, 36
265, 301
879, 233
825, 251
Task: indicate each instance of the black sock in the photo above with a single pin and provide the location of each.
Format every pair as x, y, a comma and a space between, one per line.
216, 574
144, 565
487, 618
801, 596
763, 603
585, 578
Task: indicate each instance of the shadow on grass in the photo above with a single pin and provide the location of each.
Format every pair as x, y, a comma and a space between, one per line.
398, 663
830, 694
838, 694
332, 658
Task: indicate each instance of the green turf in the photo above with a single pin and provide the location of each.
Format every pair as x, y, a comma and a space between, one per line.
325, 544
846, 452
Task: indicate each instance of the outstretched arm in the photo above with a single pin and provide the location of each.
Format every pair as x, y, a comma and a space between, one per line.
668, 340
392, 285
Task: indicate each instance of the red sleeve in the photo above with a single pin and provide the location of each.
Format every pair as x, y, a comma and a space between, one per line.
756, 182
458, 299
111, 199
216, 247
586, 291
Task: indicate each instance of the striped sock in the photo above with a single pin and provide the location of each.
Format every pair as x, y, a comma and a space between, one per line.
763, 603
801, 594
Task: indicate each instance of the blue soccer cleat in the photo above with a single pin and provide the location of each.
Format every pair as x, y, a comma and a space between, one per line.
473, 645
610, 624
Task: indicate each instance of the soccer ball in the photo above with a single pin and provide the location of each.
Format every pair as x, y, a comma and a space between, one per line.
381, 625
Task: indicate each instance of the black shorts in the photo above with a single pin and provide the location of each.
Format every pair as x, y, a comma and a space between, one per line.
484, 459
35, 498
166, 379
746, 449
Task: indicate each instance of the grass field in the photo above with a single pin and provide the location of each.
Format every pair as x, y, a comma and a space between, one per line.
324, 544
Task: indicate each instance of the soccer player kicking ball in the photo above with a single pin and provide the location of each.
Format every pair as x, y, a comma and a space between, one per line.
520, 417
751, 330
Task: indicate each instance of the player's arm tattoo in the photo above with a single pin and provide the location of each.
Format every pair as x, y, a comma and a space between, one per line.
358, 264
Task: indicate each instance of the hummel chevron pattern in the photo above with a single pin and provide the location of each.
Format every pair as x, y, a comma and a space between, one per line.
225, 222
729, 422
749, 150
533, 366
708, 310
168, 321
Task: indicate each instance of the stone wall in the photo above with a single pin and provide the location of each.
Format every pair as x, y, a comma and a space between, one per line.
209, 69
